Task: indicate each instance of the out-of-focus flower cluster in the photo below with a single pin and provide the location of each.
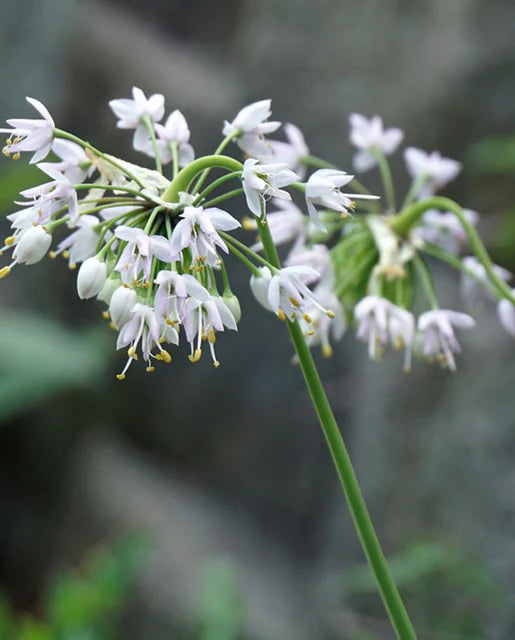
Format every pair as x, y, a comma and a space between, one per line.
151, 243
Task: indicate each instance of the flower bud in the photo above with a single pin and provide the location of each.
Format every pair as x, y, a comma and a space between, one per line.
111, 284
122, 302
91, 278
32, 246
234, 306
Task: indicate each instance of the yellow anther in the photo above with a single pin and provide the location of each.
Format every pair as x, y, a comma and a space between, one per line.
216, 364
211, 335
165, 356
5, 151
330, 314
281, 315
17, 139
147, 284
344, 214
10, 240
171, 323
72, 266
52, 254
327, 350
310, 333
16, 156
294, 302
111, 326
105, 315
150, 369
65, 254
196, 356
4, 271
8, 142
307, 318
131, 352
120, 376
248, 224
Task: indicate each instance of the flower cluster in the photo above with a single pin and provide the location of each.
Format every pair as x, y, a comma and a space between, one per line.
152, 244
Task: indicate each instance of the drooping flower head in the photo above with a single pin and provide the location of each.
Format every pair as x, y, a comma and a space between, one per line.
438, 339
250, 126
432, 169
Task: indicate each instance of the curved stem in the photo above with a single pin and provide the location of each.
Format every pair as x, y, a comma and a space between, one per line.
404, 221
184, 178
224, 196
427, 283
369, 541
437, 252
69, 136
216, 183
218, 151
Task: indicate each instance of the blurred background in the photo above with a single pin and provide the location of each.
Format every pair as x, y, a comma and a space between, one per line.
201, 504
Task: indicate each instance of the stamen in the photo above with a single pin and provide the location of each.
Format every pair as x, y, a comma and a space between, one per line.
10, 241
211, 335
327, 350
294, 302
307, 318
105, 315
4, 271
120, 376
131, 352
281, 315
150, 369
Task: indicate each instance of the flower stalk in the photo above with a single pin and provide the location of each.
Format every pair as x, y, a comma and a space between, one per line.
342, 462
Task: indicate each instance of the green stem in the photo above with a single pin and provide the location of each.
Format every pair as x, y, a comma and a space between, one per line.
427, 283
224, 196
404, 221
414, 189
184, 178
175, 157
151, 132
216, 183
86, 145
243, 247
362, 521
218, 151
386, 177
455, 262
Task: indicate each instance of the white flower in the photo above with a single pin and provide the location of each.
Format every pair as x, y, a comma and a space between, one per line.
174, 287
82, 243
285, 293
287, 223
136, 256
506, 314
263, 181
444, 228
317, 257
54, 195
438, 336
323, 188
131, 114
197, 230
201, 320
431, 169
369, 135
380, 323
91, 278
175, 130
143, 330
320, 326
30, 135
32, 246
291, 152
470, 288
121, 303
75, 164
250, 127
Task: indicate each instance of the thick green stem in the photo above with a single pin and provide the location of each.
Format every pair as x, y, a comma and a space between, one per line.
362, 521
404, 221
185, 177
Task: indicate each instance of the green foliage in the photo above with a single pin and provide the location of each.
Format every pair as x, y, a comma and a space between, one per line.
220, 611
353, 260
81, 605
494, 154
41, 358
